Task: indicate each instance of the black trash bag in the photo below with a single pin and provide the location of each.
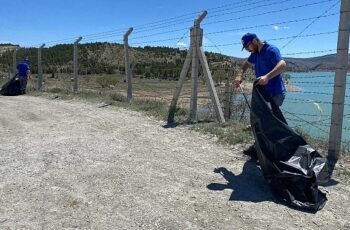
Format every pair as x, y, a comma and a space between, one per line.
11, 87
292, 168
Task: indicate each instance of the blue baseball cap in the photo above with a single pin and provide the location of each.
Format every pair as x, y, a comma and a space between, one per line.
247, 38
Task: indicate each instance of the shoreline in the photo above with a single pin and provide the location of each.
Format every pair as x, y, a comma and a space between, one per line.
289, 87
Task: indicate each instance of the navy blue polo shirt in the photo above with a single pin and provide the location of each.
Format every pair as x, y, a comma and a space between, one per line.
22, 69
264, 62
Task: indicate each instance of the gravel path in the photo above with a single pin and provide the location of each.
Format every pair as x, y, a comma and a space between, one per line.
77, 165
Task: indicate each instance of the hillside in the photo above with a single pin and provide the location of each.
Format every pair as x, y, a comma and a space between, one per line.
326, 62
321, 63
158, 62
7, 48
98, 58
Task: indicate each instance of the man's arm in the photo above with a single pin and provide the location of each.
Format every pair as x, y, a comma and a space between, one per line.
237, 81
28, 72
279, 68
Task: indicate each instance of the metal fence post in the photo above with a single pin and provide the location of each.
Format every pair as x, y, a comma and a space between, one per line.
40, 68
75, 64
335, 134
127, 64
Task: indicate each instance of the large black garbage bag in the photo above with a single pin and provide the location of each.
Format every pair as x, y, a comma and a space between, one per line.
292, 168
11, 87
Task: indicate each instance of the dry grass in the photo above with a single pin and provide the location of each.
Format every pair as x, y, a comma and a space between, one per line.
153, 96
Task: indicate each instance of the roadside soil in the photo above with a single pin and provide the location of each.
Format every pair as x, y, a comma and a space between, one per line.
72, 164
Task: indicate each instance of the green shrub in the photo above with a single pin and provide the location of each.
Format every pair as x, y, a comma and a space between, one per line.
155, 108
55, 90
118, 97
229, 133
106, 81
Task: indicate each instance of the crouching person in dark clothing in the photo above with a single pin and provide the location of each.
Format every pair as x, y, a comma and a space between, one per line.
23, 73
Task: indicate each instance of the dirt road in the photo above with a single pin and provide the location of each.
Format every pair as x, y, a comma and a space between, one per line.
77, 165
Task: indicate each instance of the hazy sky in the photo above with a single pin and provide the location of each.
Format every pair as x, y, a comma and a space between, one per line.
167, 23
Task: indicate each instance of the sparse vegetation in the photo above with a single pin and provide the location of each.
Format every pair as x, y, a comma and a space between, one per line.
107, 58
155, 70
230, 133
107, 81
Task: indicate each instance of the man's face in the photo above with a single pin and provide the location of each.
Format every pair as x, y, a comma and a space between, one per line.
252, 47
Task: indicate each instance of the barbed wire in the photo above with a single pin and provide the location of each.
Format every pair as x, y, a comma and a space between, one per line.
307, 122
270, 24
302, 123
308, 26
301, 90
317, 86
293, 100
213, 43
187, 29
302, 118
281, 38
312, 115
319, 115
250, 8
238, 18
177, 67
211, 10
268, 12
310, 52
319, 83
276, 23
138, 28
319, 93
161, 40
316, 124
316, 76
228, 30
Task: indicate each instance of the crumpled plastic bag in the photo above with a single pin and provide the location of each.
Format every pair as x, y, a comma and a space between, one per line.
292, 167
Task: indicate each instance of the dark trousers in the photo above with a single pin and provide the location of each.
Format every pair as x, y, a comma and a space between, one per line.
23, 84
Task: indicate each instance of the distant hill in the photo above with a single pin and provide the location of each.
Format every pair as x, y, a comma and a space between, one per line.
326, 62
98, 58
7, 47
158, 62
321, 63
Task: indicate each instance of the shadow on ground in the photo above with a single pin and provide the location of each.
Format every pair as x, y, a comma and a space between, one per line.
251, 186
247, 186
184, 123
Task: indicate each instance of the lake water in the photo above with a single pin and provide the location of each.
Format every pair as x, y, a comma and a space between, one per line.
310, 109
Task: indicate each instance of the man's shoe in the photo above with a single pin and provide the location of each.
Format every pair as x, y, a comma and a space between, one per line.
251, 151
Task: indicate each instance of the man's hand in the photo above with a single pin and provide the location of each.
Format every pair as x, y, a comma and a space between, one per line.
263, 80
237, 81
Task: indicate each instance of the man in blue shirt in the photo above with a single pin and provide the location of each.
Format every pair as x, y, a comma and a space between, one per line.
269, 65
23, 72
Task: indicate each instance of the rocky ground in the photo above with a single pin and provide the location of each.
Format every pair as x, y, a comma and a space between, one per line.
80, 165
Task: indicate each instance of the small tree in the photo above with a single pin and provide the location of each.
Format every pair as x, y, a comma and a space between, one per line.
219, 76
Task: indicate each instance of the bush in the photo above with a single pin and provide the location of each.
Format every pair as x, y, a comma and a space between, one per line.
55, 90
118, 97
106, 81
154, 108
